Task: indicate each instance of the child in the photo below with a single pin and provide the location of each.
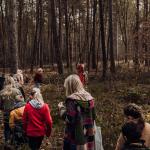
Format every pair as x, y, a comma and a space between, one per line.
37, 121
15, 121
133, 113
132, 134
38, 78
81, 73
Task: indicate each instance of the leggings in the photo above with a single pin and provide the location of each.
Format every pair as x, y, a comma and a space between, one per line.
68, 145
35, 142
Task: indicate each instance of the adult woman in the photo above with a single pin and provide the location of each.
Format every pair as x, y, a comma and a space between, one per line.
133, 113
79, 116
37, 121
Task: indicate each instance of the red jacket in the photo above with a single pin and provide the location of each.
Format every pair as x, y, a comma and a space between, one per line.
80, 70
82, 78
37, 122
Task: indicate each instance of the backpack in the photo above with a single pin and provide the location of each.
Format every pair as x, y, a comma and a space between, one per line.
18, 136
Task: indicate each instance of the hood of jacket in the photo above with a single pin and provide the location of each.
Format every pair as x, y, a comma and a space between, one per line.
36, 104
19, 104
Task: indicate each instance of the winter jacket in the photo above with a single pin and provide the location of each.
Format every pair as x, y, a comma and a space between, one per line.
79, 116
145, 137
37, 120
15, 116
38, 78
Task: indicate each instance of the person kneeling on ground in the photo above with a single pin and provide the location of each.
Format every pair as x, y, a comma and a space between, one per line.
15, 122
133, 113
37, 121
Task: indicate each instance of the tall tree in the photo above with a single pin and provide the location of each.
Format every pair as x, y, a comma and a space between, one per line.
50, 36
12, 35
136, 61
101, 15
123, 11
86, 39
55, 39
60, 25
35, 48
93, 47
20, 44
67, 33
41, 28
2, 37
112, 62
145, 44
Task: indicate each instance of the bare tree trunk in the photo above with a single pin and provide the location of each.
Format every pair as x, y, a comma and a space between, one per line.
123, 8
146, 19
20, 14
79, 38
67, 33
50, 36
101, 9
12, 36
115, 27
93, 47
136, 61
25, 40
112, 62
35, 48
2, 37
60, 26
41, 30
55, 39
86, 42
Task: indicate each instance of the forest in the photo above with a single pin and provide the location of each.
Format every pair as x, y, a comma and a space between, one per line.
110, 37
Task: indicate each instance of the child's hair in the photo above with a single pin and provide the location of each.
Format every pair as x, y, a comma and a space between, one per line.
133, 110
132, 132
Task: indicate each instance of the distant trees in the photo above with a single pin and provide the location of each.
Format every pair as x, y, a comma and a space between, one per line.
63, 32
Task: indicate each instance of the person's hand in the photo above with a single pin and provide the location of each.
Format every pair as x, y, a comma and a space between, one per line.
60, 105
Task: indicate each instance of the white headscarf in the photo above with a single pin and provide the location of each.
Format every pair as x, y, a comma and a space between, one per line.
38, 96
75, 89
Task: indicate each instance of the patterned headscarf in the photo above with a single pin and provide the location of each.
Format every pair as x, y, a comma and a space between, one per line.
75, 89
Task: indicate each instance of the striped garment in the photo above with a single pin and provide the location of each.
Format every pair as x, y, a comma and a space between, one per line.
79, 117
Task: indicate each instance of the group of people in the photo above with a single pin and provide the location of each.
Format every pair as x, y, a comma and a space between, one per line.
30, 120
26, 120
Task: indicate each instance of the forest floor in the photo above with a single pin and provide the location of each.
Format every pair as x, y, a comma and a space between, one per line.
110, 98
